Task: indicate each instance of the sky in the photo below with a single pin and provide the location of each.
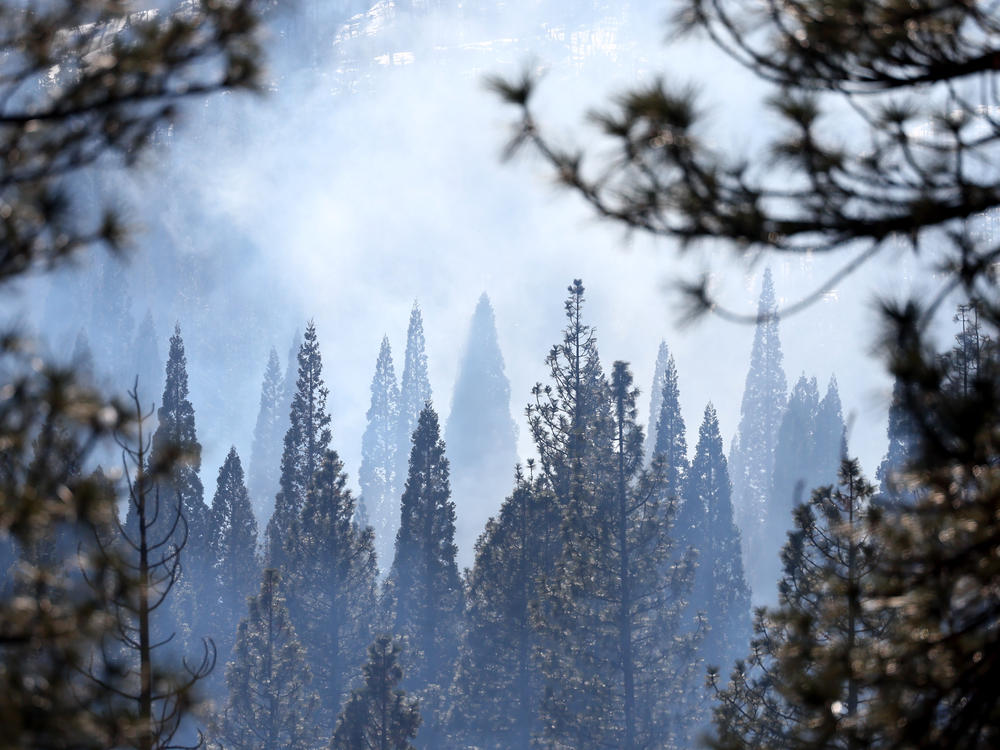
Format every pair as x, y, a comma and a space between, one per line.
374, 179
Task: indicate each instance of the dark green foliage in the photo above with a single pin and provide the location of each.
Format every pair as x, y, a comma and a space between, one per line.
671, 442
802, 685
234, 552
306, 443
423, 591
331, 585
378, 455
705, 522
271, 702
414, 393
614, 654
752, 453
902, 436
480, 432
378, 716
498, 687
268, 434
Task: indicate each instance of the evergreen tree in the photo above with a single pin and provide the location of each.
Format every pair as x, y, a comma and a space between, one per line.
656, 397
414, 392
830, 440
615, 657
306, 442
271, 703
331, 584
176, 435
794, 470
82, 359
498, 686
671, 442
112, 323
291, 379
480, 431
705, 522
234, 551
265, 458
378, 455
752, 453
424, 591
802, 685
146, 362
378, 716
902, 437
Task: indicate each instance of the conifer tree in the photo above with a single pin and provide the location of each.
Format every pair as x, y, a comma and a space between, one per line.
705, 522
480, 431
176, 435
306, 442
498, 686
615, 657
414, 393
146, 362
378, 716
752, 453
656, 397
377, 476
830, 441
671, 442
112, 323
82, 359
331, 585
290, 381
794, 470
902, 438
234, 551
268, 433
424, 592
271, 704
802, 684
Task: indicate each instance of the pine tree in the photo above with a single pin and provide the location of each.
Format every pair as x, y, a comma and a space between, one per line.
705, 522
423, 591
414, 393
830, 440
306, 442
271, 703
378, 716
377, 476
615, 657
802, 685
752, 453
480, 431
268, 433
656, 397
671, 442
176, 435
82, 359
794, 470
234, 551
901, 434
146, 362
331, 584
498, 686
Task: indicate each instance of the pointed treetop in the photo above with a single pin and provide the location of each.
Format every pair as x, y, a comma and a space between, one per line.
767, 306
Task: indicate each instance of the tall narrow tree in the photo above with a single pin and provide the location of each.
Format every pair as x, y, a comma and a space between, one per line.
424, 591
706, 523
377, 476
306, 442
480, 432
830, 440
616, 658
146, 362
752, 453
268, 434
378, 716
331, 585
656, 397
414, 393
271, 704
902, 435
671, 441
234, 551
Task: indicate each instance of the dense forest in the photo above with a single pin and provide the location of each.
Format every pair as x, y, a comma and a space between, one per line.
571, 565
